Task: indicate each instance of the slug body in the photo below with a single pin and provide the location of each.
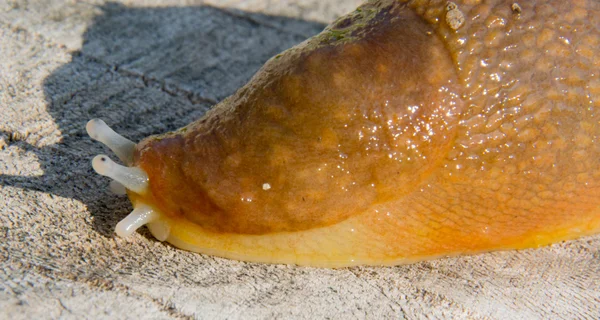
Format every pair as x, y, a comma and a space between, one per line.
406, 130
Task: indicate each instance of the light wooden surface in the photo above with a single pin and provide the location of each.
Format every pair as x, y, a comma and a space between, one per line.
151, 66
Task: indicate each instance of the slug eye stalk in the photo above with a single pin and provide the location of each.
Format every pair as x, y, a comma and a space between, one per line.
132, 178
121, 146
125, 178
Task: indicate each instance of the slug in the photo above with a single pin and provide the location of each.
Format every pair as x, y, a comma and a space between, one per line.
406, 130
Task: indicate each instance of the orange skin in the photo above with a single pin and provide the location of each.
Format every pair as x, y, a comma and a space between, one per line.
394, 137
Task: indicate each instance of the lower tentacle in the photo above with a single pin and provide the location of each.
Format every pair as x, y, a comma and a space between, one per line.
140, 216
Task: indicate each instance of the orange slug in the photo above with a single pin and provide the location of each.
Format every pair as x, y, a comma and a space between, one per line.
406, 130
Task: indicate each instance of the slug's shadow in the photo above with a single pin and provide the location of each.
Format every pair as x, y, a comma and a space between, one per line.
145, 71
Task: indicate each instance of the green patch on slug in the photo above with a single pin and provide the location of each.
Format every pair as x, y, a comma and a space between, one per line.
351, 27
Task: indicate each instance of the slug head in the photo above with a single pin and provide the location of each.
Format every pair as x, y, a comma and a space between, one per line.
321, 133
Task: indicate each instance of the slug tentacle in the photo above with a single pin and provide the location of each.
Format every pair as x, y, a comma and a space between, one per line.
160, 229
121, 146
138, 217
126, 178
117, 188
134, 179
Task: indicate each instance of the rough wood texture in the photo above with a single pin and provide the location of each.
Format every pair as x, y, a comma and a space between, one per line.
151, 66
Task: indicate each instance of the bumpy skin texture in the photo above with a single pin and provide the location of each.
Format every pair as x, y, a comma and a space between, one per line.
392, 137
